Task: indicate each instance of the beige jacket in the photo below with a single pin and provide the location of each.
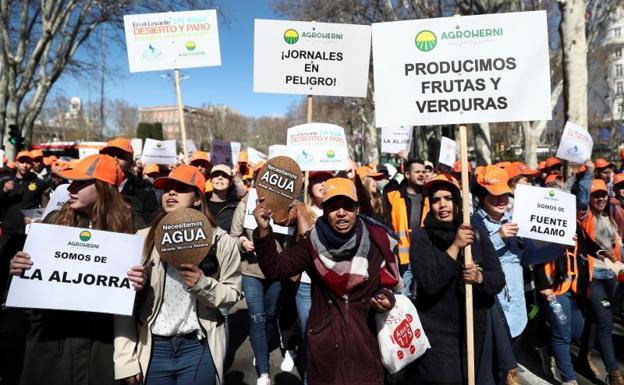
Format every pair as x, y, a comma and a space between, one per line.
133, 337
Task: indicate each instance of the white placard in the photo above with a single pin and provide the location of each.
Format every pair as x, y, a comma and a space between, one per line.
137, 146
1, 158
224, 152
254, 156
468, 69
59, 196
396, 139
277, 150
77, 269
172, 40
310, 58
545, 214
576, 144
448, 151
190, 147
159, 151
86, 149
250, 220
318, 147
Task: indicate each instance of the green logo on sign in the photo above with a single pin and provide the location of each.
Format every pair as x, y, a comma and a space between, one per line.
551, 193
291, 36
331, 154
426, 41
85, 236
190, 45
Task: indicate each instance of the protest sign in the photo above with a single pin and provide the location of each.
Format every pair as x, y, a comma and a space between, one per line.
545, 214
318, 147
159, 151
224, 152
1, 158
310, 58
57, 199
77, 269
250, 220
395, 139
86, 149
183, 236
168, 40
468, 69
190, 147
448, 151
277, 150
279, 182
254, 156
137, 146
576, 144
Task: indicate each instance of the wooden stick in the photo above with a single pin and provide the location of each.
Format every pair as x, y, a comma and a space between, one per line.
181, 113
470, 352
306, 180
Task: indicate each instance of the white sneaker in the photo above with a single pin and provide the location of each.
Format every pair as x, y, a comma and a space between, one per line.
263, 379
288, 364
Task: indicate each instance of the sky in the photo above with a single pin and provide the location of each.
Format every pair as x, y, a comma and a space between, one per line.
230, 84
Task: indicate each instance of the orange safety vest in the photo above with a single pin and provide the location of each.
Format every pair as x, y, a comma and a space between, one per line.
571, 281
400, 224
590, 227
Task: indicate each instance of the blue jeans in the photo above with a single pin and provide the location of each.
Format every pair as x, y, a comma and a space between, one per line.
303, 300
262, 297
600, 328
563, 335
180, 360
408, 277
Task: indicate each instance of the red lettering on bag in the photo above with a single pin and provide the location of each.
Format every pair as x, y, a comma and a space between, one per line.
417, 333
403, 334
400, 354
409, 318
412, 349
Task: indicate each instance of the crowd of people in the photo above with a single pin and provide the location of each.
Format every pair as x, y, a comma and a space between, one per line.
357, 238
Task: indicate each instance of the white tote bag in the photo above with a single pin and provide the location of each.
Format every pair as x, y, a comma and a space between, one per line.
400, 335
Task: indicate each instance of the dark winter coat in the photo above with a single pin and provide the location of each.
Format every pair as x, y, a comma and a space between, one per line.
342, 342
440, 301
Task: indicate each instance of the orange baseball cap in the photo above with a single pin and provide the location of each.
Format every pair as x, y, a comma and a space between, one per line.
365, 171
24, 154
512, 170
439, 179
541, 165
243, 157
599, 185
340, 187
525, 170
603, 163
494, 180
120, 143
49, 161
185, 174
553, 177
36, 154
224, 168
150, 168
618, 178
503, 165
60, 165
99, 166
200, 157
552, 162
457, 166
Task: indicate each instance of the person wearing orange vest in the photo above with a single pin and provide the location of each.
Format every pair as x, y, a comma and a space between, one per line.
597, 221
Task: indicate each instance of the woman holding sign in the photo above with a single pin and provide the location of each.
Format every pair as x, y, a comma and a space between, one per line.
440, 275
64, 347
177, 333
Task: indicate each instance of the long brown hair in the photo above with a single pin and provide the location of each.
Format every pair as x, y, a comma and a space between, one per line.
149, 239
110, 212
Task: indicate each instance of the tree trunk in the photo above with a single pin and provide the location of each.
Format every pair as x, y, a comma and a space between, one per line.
574, 44
483, 143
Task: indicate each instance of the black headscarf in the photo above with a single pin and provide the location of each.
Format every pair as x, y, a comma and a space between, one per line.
442, 234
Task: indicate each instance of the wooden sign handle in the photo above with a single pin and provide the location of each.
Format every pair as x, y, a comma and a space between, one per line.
306, 179
181, 113
470, 351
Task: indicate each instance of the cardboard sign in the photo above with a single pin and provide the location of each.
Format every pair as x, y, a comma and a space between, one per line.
279, 182
254, 156
169, 40
277, 150
448, 151
468, 69
224, 152
183, 236
77, 269
159, 151
318, 147
57, 199
250, 220
396, 139
576, 144
310, 58
545, 214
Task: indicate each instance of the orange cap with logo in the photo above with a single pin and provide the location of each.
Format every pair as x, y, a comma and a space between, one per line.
340, 187
618, 178
599, 185
99, 166
200, 157
185, 174
603, 163
150, 168
494, 180
552, 162
36, 153
365, 171
457, 166
120, 143
441, 179
23, 154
